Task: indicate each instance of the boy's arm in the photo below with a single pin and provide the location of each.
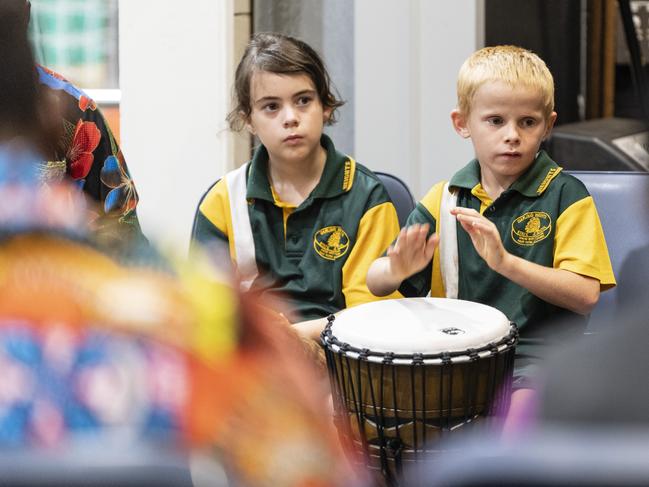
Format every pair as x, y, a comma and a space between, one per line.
410, 253
557, 286
310, 329
560, 287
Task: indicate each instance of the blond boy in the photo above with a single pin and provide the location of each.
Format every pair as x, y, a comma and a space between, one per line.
529, 240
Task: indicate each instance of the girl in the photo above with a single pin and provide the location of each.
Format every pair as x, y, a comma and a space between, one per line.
302, 221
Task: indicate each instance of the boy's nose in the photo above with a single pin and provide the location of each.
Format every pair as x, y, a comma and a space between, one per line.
512, 135
290, 118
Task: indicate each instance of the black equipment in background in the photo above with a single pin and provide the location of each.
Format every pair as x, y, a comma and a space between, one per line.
609, 144
602, 144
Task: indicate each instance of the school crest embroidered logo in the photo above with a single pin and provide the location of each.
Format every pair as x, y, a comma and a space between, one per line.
531, 227
331, 242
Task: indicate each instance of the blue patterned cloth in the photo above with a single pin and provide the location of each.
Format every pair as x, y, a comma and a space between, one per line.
60, 384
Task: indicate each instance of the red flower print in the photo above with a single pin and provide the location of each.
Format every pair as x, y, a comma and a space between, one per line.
85, 141
85, 103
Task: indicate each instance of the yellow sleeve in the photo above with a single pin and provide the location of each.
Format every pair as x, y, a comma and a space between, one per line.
579, 243
376, 231
215, 207
432, 202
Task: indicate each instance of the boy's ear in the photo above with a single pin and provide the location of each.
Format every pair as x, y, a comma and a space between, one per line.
326, 113
459, 124
551, 119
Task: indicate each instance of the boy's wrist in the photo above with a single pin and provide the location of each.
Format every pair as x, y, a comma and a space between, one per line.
395, 276
507, 265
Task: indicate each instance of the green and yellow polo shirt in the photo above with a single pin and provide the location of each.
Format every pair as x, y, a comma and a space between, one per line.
315, 255
546, 216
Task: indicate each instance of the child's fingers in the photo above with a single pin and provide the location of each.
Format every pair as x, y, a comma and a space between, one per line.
399, 242
459, 210
431, 244
470, 221
413, 236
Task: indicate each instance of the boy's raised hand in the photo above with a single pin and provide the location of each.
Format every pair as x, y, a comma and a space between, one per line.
484, 235
412, 251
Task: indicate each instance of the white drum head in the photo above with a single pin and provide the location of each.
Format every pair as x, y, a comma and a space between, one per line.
420, 325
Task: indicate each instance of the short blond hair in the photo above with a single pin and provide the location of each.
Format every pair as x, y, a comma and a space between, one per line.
510, 64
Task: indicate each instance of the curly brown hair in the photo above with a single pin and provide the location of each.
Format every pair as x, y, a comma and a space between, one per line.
280, 54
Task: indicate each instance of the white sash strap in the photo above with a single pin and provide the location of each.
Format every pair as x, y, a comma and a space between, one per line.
244, 243
448, 243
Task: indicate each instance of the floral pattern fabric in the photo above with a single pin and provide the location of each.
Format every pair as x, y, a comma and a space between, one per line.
89, 155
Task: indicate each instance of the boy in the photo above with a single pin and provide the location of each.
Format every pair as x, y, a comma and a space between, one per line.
530, 243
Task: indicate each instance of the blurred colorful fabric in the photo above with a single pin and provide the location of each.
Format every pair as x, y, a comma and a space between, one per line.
62, 384
25, 205
94, 348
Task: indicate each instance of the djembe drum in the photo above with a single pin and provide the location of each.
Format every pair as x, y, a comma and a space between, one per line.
407, 372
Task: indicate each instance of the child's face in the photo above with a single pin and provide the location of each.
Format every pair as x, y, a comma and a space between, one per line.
506, 126
286, 115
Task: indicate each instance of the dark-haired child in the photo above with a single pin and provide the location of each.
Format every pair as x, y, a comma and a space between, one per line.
303, 222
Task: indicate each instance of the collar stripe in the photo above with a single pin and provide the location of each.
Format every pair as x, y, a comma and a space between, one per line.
552, 173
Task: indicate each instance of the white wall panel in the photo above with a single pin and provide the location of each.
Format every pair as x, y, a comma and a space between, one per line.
175, 73
407, 56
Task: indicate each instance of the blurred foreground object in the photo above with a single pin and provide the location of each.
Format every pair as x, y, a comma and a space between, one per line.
99, 353
552, 457
589, 426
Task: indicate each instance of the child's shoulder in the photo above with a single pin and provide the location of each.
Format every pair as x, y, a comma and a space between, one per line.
365, 179
433, 197
568, 185
368, 186
217, 193
366, 174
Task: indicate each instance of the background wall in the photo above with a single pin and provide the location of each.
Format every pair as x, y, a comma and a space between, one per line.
407, 57
175, 72
394, 62
328, 27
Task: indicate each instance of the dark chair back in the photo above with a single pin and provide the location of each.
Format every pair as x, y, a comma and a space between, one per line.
622, 200
556, 456
399, 194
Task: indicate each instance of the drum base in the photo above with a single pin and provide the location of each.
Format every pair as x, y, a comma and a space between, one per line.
393, 418
392, 465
